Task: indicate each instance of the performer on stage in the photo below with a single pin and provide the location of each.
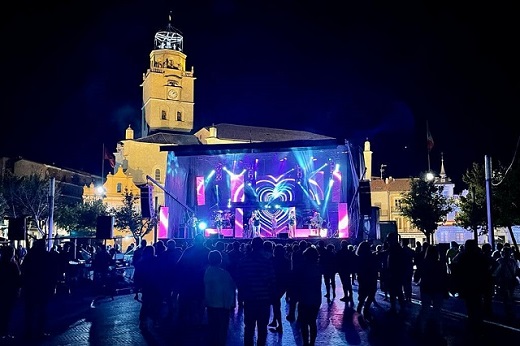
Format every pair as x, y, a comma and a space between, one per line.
255, 222
274, 225
219, 223
292, 224
193, 223
315, 225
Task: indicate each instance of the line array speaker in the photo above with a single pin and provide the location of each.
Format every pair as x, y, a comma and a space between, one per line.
146, 201
365, 201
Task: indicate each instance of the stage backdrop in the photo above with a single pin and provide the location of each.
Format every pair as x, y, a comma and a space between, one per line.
208, 180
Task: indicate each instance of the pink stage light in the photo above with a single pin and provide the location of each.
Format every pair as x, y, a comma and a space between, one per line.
336, 187
162, 230
239, 222
237, 188
343, 220
201, 192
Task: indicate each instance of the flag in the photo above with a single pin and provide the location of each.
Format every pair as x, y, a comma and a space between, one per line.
111, 158
429, 139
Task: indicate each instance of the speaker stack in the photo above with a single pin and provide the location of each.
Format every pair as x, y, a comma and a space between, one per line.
17, 229
105, 227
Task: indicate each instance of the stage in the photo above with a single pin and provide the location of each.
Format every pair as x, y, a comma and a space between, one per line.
213, 239
282, 234
233, 184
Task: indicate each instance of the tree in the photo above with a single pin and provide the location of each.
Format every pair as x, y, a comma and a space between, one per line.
472, 213
425, 206
3, 205
28, 196
80, 218
505, 199
128, 217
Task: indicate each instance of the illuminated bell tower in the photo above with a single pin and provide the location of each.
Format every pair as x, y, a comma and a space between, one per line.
167, 86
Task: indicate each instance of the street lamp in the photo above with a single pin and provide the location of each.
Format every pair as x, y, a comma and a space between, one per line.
382, 169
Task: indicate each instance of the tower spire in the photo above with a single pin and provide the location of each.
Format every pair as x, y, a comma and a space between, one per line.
442, 174
171, 38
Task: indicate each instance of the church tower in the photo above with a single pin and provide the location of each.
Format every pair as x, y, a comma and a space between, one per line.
168, 98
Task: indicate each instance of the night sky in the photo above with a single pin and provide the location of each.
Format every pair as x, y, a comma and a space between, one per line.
348, 69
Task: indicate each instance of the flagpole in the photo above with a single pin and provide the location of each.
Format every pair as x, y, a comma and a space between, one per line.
429, 161
428, 148
103, 166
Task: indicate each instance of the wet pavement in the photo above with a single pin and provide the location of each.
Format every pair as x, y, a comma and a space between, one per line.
78, 319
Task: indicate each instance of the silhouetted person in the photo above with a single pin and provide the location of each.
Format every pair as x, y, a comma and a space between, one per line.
235, 255
328, 267
168, 262
408, 272
101, 266
191, 268
396, 271
367, 271
489, 285
221, 247
433, 279
450, 255
505, 277
297, 266
309, 296
38, 285
21, 251
10, 276
148, 282
219, 289
472, 268
382, 259
282, 269
345, 263
136, 256
256, 284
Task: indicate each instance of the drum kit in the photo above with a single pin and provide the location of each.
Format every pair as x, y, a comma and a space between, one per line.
223, 216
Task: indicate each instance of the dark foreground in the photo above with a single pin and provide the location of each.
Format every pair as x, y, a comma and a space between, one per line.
82, 319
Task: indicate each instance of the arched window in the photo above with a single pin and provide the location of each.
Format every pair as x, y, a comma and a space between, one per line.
119, 187
158, 174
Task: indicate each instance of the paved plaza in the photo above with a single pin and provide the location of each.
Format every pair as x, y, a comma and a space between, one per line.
79, 320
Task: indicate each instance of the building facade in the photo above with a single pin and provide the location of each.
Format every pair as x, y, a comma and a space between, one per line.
168, 120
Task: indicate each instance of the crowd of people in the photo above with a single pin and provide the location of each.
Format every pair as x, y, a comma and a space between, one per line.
262, 272
205, 280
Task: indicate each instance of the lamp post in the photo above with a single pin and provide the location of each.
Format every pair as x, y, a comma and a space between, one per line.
473, 216
488, 170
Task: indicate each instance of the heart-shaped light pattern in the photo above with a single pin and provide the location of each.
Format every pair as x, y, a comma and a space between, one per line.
271, 190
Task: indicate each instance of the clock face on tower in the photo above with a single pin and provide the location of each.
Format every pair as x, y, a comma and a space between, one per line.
172, 94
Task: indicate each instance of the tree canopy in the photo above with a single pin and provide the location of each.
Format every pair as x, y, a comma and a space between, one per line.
425, 206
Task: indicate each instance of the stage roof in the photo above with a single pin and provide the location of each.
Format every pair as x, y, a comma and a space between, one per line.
260, 147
